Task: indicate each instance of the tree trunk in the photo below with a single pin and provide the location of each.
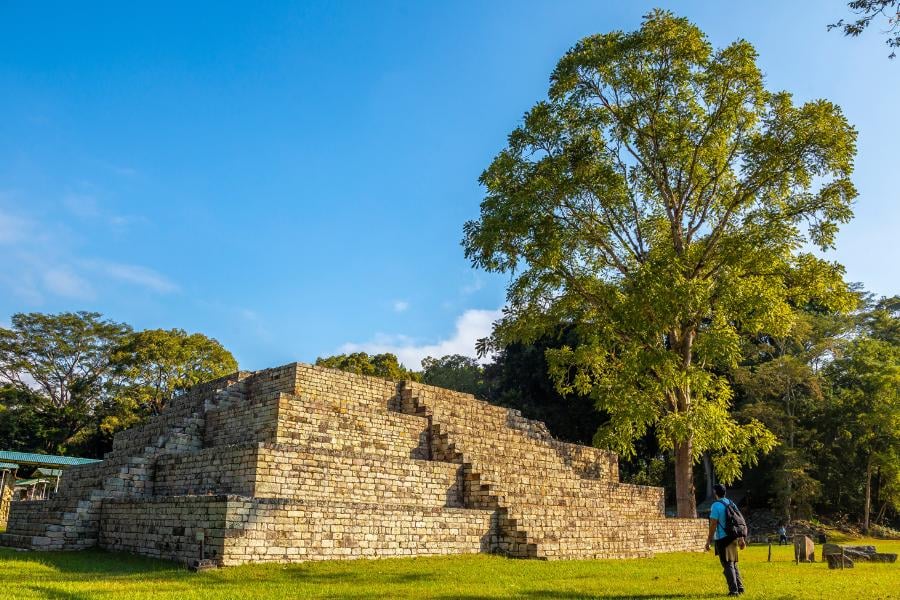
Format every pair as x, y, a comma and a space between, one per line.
686, 503
710, 475
868, 496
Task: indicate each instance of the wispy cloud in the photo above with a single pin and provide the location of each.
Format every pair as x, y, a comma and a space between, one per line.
470, 288
13, 228
63, 282
133, 274
469, 327
41, 259
88, 207
400, 306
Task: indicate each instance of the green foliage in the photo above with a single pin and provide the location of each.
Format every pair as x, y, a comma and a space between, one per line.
156, 364
867, 11
377, 365
73, 379
657, 202
455, 372
518, 377
67, 359
863, 418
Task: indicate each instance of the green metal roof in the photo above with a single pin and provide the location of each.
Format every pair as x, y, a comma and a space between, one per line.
6, 465
27, 458
30, 481
49, 472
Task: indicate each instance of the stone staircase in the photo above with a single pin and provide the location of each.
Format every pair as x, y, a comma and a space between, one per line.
555, 500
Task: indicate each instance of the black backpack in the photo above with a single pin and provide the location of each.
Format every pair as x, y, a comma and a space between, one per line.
735, 526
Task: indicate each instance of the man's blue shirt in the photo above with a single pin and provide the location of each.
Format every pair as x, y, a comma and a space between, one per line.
717, 512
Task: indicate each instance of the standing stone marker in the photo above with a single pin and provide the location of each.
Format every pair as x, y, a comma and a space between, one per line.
804, 549
304, 463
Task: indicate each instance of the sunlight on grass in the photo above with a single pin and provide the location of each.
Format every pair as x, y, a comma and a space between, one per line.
95, 574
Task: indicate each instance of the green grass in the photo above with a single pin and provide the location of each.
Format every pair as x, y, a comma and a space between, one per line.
95, 574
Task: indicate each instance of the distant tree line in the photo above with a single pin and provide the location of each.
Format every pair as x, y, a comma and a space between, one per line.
69, 381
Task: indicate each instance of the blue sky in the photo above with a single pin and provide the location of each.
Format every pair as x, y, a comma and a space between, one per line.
292, 178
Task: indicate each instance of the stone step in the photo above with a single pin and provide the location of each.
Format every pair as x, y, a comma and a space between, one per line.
287, 471
306, 422
278, 530
13, 540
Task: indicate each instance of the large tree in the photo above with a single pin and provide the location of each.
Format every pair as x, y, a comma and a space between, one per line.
155, 364
455, 372
657, 203
383, 365
865, 412
66, 358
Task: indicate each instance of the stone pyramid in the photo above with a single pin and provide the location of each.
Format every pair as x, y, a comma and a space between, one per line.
305, 463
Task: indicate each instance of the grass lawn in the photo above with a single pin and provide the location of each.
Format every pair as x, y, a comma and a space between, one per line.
95, 574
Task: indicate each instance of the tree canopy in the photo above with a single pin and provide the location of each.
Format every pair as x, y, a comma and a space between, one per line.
868, 11
68, 381
659, 202
383, 365
156, 364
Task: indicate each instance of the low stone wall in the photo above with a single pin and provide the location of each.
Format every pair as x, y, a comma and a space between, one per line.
289, 531
320, 425
165, 527
290, 473
219, 470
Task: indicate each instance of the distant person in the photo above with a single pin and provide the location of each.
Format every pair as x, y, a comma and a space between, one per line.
729, 534
782, 535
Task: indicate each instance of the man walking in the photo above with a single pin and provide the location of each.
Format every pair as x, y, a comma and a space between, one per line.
726, 543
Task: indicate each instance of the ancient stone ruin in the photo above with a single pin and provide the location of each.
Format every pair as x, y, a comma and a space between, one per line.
303, 463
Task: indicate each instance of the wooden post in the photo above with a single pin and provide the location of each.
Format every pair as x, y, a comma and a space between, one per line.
770, 549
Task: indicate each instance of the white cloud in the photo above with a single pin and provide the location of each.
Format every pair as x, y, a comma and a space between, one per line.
134, 274
63, 282
13, 229
82, 205
471, 288
470, 326
86, 206
400, 305
41, 258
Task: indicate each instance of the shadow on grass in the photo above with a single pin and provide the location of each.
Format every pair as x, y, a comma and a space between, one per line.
557, 595
92, 561
51, 594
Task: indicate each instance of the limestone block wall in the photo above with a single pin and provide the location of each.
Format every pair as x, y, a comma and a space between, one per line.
165, 527
320, 424
304, 463
290, 473
219, 470
279, 530
564, 507
252, 419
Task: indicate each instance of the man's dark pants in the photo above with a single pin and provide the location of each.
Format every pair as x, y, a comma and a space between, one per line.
729, 568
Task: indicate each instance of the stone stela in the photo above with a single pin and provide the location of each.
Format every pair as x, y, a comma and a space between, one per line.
304, 463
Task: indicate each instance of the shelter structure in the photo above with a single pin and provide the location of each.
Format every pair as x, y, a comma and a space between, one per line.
304, 463
43, 482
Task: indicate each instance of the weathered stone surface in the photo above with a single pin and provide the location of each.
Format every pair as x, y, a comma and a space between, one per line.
304, 463
859, 553
804, 548
835, 561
